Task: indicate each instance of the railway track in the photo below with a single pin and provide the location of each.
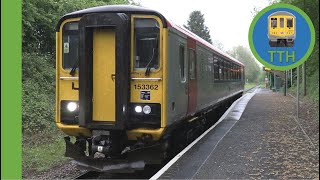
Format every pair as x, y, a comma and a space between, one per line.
87, 175
251, 89
147, 173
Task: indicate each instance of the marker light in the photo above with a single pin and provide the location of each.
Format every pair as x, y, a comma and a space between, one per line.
72, 106
147, 109
138, 109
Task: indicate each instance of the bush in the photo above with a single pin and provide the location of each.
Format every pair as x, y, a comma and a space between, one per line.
38, 92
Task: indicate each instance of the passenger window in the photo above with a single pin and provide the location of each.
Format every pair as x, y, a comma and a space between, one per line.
192, 64
238, 73
281, 22
232, 72
221, 67
225, 69
216, 68
182, 62
228, 71
242, 73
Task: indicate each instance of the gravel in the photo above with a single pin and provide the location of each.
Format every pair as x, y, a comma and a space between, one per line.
65, 171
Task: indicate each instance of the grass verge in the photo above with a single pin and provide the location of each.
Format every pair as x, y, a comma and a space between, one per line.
249, 85
43, 151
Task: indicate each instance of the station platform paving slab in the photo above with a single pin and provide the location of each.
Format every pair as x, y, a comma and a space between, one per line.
266, 142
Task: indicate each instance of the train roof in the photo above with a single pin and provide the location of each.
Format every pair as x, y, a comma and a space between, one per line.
203, 42
281, 13
132, 9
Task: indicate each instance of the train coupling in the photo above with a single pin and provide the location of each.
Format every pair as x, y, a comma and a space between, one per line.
75, 150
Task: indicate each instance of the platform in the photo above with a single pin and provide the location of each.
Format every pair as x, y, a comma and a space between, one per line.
258, 137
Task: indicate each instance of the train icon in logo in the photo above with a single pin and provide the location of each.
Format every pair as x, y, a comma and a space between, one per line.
281, 29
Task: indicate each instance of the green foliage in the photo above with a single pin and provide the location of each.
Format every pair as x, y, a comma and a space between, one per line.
38, 87
311, 8
248, 86
313, 87
197, 26
42, 144
252, 69
39, 19
43, 156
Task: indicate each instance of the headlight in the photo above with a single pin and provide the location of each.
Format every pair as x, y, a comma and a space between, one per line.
147, 109
72, 106
138, 109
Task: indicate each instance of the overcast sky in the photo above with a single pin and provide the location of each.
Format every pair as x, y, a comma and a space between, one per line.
228, 20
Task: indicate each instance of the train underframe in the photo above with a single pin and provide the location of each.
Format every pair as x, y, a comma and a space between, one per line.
110, 150
281, 43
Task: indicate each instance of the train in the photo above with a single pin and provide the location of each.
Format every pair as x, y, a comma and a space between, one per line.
129, 82
281, 29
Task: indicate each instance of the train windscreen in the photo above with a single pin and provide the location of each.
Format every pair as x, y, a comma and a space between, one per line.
146, 43
289, 22
70, 44
274, 22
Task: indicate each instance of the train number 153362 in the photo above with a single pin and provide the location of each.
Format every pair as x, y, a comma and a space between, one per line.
146, 86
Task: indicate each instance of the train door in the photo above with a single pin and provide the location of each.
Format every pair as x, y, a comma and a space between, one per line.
104, 70
192, 78
103, 75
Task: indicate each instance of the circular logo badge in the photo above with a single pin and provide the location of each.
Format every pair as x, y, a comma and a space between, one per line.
281, 36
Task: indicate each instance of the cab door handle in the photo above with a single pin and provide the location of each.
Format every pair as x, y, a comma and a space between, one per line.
113, 76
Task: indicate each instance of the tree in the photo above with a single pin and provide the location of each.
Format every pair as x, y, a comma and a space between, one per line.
311, 8
252, 69
197, 26
218, 44
39, 19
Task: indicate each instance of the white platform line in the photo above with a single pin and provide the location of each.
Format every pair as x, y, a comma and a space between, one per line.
173, 160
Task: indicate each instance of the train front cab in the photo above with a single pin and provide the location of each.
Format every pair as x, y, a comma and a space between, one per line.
116, 96
281, 29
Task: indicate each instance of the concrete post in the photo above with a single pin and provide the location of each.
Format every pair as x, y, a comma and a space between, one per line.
304, 88
285, 83
298, 77
291, 78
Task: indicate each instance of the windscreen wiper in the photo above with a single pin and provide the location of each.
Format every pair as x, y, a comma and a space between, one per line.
155, 50
147, 73
74, 68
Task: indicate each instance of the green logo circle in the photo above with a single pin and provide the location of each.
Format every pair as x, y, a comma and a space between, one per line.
281, 36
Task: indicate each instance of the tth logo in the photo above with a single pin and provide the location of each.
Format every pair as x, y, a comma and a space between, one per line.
281, 36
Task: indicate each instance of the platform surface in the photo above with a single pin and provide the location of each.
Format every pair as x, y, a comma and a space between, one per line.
265, 141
